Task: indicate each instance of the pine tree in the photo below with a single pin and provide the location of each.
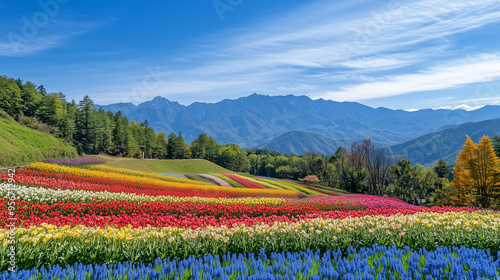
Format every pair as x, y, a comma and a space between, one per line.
405, 178
31, 98
175, 146
441, 168
85, 125
496, 144
68, 126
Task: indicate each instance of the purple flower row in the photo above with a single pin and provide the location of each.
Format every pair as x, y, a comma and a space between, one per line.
75, 161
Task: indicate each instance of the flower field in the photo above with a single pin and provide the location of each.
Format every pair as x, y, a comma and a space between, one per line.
108, 223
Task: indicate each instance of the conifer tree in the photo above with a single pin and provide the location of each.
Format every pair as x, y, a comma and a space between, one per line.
485, 173
496, 144
476, 174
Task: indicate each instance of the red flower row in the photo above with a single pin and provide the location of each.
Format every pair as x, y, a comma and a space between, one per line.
26, 210
247, 183
191, 221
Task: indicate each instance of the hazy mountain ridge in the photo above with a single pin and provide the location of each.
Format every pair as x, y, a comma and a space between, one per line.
444, 144
256, 120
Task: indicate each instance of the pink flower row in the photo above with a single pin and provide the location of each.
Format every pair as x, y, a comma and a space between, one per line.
247, 183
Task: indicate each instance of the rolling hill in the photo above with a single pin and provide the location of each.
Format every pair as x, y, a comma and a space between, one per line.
444, 144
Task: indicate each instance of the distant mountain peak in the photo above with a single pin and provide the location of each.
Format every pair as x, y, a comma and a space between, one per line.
159, 98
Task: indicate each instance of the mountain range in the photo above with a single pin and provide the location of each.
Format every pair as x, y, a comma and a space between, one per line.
444, 144
271, 121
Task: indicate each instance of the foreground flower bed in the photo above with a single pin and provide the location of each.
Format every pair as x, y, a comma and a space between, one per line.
92, 245
82, 219
377, 262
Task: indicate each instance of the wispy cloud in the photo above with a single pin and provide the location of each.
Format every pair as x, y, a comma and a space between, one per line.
319, 46
28, 38
328, 39
482, 68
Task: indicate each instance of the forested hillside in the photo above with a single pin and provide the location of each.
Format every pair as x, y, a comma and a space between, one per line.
445, 144
300, 142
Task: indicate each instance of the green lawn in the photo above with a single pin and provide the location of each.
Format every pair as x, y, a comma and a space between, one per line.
174, 166
21, 145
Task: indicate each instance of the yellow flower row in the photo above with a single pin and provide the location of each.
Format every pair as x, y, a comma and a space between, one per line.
125, 171
225, 201
392, 225
130, 178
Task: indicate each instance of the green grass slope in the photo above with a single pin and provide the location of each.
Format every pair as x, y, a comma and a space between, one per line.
21, 145
174, 166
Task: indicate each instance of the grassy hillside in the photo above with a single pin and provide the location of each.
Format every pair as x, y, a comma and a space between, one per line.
174, 166
21, 145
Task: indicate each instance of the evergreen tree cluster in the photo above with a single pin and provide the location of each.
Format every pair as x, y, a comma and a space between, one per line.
91, 130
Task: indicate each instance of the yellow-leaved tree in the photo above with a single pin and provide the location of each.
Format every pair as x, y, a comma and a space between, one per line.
476, 174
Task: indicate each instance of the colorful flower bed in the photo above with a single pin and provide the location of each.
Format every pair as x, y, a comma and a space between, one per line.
165, 177
77, 223
75, 161
54, 170
242, 181
94, 245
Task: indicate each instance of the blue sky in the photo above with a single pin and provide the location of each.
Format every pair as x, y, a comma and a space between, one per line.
395, 54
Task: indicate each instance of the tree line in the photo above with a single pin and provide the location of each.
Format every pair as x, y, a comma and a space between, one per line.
363, 168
